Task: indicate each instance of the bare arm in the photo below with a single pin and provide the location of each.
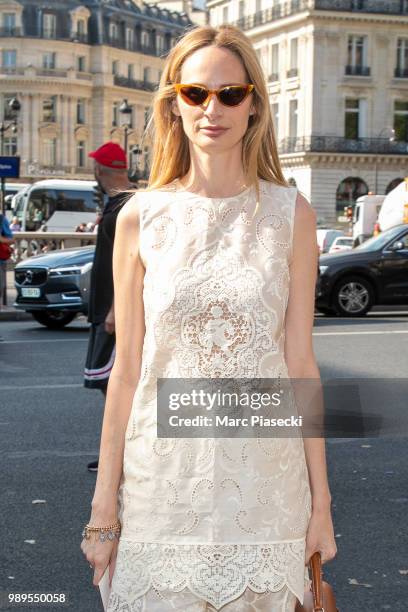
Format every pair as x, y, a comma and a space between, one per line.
128, 273
299, 352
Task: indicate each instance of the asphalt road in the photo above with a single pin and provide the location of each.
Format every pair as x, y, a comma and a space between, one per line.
50, 427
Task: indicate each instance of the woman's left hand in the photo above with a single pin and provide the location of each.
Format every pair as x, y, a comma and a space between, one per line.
320, 536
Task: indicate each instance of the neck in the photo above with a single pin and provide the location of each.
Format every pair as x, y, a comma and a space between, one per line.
213, 174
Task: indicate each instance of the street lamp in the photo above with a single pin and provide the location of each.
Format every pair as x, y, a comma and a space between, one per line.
126, 111
390, 139
15, 107
134, 174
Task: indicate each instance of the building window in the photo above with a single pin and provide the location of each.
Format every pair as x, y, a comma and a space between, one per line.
241, 9
81, 29
49, 109
258, 6
115, 114
293, 118
145, 38
160, 44
9, 58
9, 23
129, 39
115, 67
48, 61
352, 119
113, 31
293, 53
10, 146
275, 62
80, 111
225, 14
401, 120
146, 74
348, 192
402, 58
131, 72
49, 25
357, 56
80, 151
81, 63
275, 117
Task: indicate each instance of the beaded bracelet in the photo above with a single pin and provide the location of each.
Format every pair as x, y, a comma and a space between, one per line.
109, 532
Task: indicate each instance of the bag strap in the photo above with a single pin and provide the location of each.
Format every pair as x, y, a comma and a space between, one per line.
315, 564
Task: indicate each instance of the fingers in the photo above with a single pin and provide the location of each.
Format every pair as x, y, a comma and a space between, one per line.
100, 567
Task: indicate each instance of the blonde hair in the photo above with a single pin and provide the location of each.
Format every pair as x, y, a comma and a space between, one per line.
171, 156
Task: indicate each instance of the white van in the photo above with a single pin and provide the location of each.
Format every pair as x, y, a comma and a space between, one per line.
56, 205
365, 216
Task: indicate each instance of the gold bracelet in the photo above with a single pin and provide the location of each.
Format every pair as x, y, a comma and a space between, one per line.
107, 532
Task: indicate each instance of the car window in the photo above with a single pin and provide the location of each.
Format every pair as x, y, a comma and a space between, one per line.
76, 201
41, 206
378, 242
404, 240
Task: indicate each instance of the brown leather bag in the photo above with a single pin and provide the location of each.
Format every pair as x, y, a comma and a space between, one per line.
320, 597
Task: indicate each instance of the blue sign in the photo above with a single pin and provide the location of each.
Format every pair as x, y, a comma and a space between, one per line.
9, 167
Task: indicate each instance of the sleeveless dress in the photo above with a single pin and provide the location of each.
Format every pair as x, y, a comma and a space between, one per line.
212, 517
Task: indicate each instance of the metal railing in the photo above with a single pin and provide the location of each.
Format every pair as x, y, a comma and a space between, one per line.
290, 7
27, 244
5, 32
123, 81
357, 70
337, 144
401, 73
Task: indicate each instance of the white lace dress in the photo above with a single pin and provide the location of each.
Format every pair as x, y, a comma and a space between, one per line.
212, 516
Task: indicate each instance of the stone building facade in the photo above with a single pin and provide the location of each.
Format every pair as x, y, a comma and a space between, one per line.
71, 64
337, 73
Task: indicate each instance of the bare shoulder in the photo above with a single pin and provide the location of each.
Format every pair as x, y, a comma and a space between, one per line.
129, 213
305, 214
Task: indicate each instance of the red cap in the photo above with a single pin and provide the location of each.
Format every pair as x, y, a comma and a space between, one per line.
111, 155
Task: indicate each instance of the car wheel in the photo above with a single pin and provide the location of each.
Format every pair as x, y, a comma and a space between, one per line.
56, 319
353, 296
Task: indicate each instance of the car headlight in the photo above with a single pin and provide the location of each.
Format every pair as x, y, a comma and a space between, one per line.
70, 270
323, 269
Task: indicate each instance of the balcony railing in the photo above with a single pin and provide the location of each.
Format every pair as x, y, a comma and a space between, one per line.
357, 70
290, 7
401, 73
4, 32
123, 81
51, 72
337, 144
81, 37
293, 72
392, 7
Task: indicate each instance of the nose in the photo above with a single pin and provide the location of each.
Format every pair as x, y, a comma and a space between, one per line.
212, 104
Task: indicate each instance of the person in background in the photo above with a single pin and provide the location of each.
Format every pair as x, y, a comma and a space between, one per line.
6, 239
112, 176
15, 225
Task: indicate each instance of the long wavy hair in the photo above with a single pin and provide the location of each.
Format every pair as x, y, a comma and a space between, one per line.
171, 156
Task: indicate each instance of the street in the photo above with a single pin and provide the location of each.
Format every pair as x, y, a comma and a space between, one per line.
50, 426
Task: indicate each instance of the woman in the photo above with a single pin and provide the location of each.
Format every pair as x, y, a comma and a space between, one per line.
214, 272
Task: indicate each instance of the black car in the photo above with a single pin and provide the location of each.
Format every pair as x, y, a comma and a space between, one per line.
351, 282
54, 286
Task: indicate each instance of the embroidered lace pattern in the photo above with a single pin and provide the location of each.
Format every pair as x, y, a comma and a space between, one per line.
212, 515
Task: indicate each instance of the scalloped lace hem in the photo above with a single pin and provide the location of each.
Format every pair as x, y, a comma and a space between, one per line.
216, 573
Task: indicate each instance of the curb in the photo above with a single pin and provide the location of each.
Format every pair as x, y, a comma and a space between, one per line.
12, 314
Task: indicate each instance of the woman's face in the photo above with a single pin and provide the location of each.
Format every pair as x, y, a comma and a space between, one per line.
214, 67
